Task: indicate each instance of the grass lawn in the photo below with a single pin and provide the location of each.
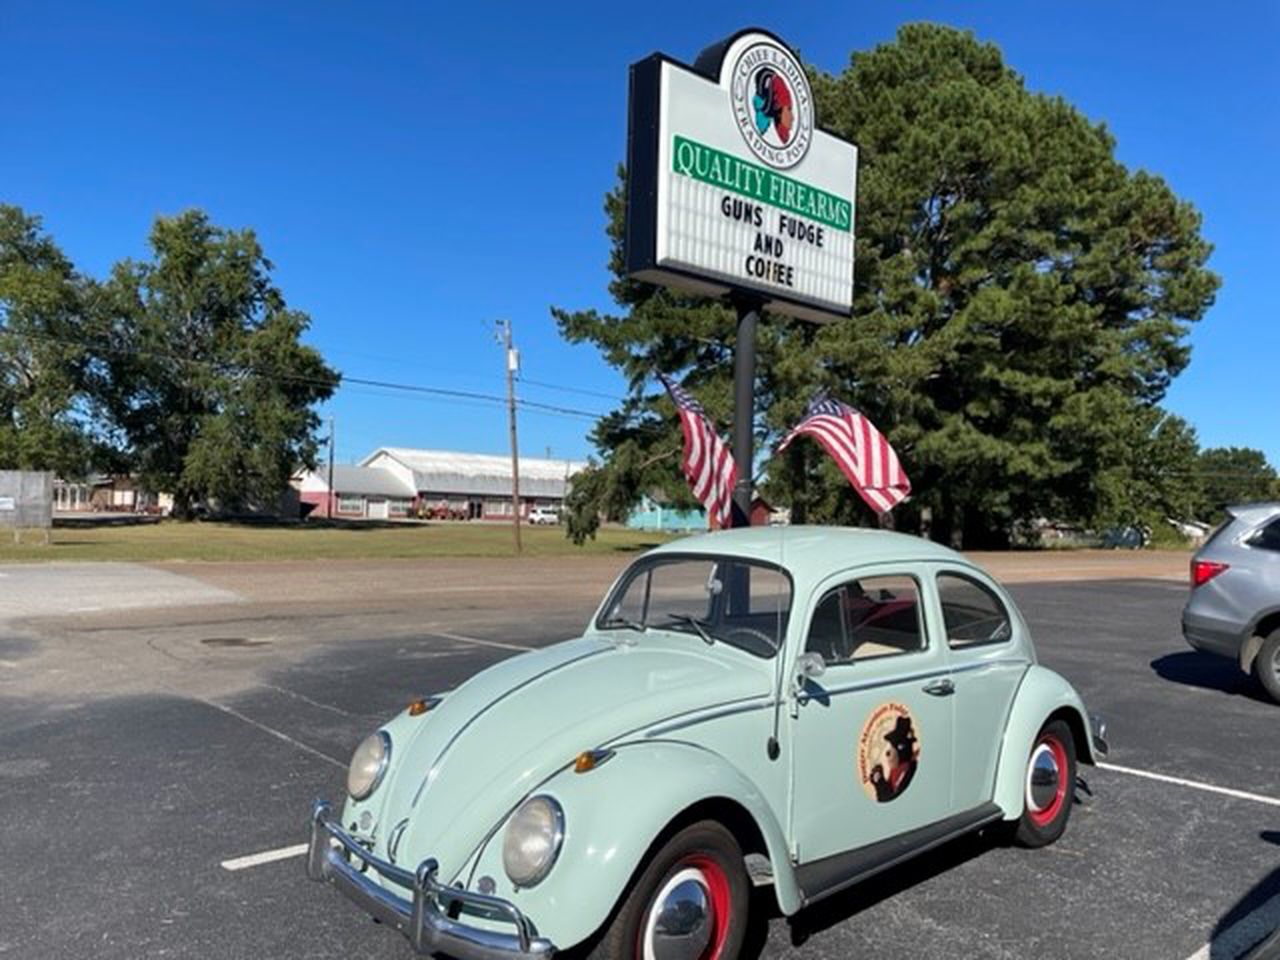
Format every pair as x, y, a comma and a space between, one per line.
172, 540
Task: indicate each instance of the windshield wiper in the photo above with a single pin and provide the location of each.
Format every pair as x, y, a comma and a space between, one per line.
624, 622
697, 624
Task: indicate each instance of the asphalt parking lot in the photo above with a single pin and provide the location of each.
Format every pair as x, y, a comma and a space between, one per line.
143, 747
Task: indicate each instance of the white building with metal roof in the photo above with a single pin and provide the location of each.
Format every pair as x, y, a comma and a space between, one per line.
398, 482
474, 485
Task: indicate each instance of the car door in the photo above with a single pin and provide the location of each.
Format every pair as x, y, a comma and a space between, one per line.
871, 737
987, 645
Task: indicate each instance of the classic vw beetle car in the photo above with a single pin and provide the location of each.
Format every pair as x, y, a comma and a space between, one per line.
800, 706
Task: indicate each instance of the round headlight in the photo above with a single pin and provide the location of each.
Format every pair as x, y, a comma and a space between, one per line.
368, 765
532, 841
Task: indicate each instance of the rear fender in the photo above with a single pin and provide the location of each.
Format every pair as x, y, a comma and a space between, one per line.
613, 815
1041, 695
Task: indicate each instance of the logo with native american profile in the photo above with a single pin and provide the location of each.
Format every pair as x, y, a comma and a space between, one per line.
772, 103
888, 752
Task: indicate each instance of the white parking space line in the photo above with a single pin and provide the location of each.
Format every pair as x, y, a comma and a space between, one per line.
1243, 935
476, 640
267, 856
279, 735
1193, 784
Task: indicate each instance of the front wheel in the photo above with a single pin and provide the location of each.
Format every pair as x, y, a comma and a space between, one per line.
690, 901
1050, 786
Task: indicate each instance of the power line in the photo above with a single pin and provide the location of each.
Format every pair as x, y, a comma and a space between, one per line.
267, 374
578, 390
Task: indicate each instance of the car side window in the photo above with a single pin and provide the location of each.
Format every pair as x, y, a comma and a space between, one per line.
1268, 538
827, 633
973, 614
866, 618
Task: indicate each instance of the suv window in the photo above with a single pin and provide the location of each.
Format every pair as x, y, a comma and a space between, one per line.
973, 614
868, 617
1268, 538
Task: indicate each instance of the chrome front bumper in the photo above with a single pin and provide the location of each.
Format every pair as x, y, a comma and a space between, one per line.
429, 917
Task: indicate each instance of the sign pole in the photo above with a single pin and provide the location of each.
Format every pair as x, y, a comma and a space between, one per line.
744, 396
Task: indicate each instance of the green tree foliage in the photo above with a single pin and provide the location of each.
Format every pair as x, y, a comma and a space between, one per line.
1021, 302
1146, 471
1231, 475
203, 372
41, 363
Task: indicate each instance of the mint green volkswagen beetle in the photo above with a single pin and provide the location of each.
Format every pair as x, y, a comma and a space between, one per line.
801, 707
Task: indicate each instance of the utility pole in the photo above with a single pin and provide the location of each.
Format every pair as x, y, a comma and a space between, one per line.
329, 498
513, 366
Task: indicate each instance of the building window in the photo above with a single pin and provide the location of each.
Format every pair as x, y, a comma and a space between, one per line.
349, 504
497, 508
398, 508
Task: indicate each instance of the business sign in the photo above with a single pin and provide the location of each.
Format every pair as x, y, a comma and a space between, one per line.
731, 185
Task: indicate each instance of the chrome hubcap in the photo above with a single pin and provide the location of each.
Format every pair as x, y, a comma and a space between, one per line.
1043, 776
679, 925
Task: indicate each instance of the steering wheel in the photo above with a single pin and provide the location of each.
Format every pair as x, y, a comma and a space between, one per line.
751, 632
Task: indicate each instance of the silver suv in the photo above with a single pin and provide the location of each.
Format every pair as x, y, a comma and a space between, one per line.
1234, 607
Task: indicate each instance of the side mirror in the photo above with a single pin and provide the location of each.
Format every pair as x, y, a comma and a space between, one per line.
809, 666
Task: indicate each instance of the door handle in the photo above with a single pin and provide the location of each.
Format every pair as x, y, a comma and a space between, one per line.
941, 688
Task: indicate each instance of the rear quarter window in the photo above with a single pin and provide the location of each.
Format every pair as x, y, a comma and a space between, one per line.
973, 614
1268, 538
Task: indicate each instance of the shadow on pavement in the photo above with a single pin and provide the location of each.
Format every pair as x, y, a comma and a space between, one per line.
862, 896
1208, 672
1250, 930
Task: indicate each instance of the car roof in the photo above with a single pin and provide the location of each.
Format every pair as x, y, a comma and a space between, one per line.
1253, 512
814, 549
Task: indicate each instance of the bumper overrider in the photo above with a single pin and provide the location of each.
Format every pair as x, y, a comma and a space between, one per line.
429, 914
1098, 735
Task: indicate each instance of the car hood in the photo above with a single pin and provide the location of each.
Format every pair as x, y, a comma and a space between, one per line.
459, 770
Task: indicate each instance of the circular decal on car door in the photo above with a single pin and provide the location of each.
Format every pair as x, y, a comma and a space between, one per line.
888, 752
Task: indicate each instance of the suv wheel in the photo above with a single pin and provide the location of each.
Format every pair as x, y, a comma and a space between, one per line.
1266, 665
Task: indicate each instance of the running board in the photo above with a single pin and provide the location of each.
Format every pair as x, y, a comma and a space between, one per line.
832, 874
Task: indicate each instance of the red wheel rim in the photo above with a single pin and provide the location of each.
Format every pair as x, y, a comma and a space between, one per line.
719, 899
718, 893
1055, 750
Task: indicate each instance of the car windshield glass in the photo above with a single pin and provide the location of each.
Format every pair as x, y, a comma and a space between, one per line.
717, 599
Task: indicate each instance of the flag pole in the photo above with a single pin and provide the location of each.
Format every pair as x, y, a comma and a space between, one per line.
744, 382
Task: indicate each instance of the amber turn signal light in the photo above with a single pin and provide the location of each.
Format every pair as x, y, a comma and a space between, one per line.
419, 707
588, 760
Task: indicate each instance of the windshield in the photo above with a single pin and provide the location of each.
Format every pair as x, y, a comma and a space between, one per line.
715, 599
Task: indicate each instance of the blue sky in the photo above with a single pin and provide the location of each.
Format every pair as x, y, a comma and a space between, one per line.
416, 172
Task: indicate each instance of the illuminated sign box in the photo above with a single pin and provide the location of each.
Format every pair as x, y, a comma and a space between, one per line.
731, 186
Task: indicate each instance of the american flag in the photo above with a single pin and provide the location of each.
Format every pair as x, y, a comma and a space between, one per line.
858, 448
707, 463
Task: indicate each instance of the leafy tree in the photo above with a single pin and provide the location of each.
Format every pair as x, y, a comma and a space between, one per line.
1147, 469
42, 426
1021, 302
1232, 475
203, 372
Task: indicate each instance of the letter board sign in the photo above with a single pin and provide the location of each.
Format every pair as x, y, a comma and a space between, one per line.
731, 185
